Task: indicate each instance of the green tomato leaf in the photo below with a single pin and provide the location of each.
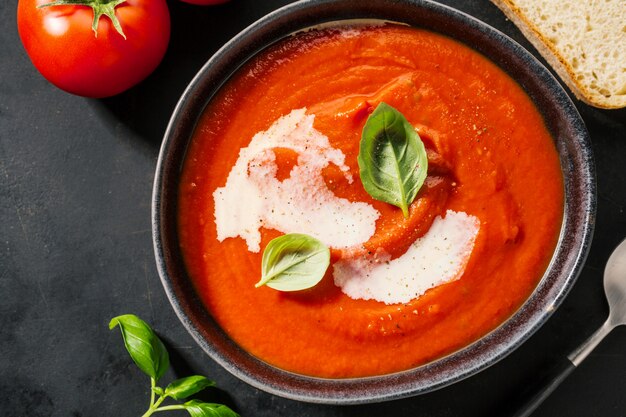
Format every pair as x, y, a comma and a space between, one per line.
197, 408
144, 346
392, 158
294, 262
185, 387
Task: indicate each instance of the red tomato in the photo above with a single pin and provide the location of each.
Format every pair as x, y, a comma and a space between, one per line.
205, 2
64, 48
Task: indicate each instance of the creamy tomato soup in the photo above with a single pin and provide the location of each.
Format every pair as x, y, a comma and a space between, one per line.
275, 152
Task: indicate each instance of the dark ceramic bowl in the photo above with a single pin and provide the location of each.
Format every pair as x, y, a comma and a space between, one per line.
562, 119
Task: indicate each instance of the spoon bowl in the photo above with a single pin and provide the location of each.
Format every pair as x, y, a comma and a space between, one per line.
615, 285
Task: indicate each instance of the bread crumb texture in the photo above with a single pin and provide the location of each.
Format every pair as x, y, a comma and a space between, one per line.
583, 40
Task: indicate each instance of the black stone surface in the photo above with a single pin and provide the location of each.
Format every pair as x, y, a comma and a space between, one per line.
75, 249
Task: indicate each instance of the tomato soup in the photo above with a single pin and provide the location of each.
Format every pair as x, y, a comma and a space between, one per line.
289, 124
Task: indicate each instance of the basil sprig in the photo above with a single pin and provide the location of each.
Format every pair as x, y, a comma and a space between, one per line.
392, 158
294, 262
150, 355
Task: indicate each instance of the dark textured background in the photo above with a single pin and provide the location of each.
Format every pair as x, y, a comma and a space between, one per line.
76, 249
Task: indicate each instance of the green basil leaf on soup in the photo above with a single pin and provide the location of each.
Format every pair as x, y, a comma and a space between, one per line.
392, 158
197, 408
186, 387
143, 345
294, 262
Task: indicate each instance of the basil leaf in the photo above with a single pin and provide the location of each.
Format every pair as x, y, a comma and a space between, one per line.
197, 408
144, 346
185, 387
392, 158
294, 262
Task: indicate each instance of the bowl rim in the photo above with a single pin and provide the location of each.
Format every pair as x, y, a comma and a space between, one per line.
566, 264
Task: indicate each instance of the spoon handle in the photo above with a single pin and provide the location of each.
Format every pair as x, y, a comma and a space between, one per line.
537, 392
578, 355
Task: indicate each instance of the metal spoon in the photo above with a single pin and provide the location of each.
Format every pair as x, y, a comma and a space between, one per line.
615, 289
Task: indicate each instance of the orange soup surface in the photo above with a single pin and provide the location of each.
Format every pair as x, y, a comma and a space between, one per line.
491, 159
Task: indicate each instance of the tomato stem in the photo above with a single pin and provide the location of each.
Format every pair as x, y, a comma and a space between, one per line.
99, 7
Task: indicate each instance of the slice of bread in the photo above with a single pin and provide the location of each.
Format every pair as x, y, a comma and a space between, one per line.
583, 40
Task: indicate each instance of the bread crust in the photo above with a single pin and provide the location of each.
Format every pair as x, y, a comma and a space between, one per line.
556, 60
